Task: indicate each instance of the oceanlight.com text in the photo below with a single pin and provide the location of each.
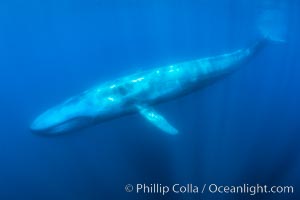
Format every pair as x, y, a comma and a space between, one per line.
163, 189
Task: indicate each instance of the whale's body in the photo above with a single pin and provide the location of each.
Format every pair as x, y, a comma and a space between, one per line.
139, 92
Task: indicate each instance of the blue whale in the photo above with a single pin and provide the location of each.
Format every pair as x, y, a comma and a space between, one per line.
139, 92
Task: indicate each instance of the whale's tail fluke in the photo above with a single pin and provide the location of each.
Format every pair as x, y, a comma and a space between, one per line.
272, 21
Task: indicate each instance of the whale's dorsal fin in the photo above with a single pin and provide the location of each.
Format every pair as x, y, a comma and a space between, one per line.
156, 119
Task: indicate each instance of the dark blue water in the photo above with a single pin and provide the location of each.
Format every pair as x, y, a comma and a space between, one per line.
243, 129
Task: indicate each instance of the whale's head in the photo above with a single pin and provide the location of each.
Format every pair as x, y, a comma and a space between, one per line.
64, 118
79, 112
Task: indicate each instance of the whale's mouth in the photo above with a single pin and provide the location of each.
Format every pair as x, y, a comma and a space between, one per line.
63, 127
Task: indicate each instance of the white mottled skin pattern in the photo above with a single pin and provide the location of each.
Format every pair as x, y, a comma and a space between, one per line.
122, 96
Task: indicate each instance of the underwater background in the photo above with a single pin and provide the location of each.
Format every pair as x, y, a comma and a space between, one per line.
243, 129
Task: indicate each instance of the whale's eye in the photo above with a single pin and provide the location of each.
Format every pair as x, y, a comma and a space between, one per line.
122, 90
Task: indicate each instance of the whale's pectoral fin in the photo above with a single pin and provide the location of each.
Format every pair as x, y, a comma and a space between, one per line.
158, 120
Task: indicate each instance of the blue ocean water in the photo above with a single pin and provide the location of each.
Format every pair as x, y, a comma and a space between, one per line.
244, 129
